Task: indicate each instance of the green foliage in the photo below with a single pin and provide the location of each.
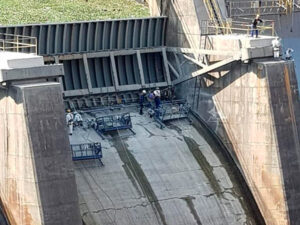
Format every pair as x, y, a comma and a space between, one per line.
46, 11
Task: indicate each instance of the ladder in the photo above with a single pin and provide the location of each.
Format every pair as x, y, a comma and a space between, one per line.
214, 14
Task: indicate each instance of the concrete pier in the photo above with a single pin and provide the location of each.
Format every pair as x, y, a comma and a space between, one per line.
37, 182
253, 108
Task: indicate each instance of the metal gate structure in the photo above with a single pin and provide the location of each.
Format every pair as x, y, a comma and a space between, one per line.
103, 57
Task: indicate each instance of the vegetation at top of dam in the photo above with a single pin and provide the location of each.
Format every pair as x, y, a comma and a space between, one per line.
47, 11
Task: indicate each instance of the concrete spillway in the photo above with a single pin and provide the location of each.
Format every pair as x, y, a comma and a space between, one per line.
240, 165
173, 176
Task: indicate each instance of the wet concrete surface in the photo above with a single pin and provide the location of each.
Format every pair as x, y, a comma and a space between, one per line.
170, 176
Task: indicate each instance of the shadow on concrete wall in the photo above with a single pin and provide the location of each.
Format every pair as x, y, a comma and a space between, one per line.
200, 96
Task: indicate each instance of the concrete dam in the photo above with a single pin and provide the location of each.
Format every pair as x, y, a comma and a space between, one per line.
221, 147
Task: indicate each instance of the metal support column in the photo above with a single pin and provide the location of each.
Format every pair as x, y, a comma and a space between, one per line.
87, 72
114, 71
139, 59
165, 59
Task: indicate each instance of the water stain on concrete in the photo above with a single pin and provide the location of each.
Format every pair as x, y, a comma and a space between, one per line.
204, 165
131, 178
135, 169
236, 190
191, 206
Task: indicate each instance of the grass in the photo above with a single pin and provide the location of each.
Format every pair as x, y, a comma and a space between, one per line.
46, 11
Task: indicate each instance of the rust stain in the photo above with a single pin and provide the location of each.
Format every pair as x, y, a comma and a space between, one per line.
27, 217
13, 208
291, 106
276, 194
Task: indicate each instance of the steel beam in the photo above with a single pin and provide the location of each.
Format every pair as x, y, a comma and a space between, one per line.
87, 72
201, 51
101, 54
114, 71
165, 60
108, 90
174, 70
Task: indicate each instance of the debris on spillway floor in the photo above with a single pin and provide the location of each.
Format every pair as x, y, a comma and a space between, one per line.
170, 176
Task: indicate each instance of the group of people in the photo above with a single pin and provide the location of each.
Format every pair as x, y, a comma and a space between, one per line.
152, 96
73, 119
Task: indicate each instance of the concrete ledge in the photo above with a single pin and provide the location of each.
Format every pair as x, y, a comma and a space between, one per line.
38, 72
14, 60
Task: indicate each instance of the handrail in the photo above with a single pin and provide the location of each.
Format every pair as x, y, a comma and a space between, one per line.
253, 7
18, 43
209, 28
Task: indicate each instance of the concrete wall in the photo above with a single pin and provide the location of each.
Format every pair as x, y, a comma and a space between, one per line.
184, 18
37, 183
288, 29
254, 109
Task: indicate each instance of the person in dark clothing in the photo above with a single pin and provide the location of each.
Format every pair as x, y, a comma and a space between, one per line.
254, 26
157, 96
142, 99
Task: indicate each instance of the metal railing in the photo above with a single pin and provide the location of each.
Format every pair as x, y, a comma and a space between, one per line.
86, 151
266, 7
18, 43
214, 12
208, 27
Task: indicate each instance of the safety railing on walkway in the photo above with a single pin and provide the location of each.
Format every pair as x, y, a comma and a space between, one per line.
208, 27
266, 7
18, 43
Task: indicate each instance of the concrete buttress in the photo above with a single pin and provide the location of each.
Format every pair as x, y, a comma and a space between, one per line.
37, 182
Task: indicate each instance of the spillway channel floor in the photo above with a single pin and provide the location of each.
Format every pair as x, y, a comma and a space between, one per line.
169, 176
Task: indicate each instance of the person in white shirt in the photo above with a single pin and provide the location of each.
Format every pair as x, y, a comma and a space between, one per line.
276, 47
78, 121
69, 119
157, 92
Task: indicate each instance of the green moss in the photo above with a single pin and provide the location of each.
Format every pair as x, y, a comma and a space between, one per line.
47, 11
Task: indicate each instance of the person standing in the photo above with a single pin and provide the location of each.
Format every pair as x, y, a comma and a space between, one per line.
157, 97
254, 26
276, 47
142, 99
150, 98
69, 119
78, 121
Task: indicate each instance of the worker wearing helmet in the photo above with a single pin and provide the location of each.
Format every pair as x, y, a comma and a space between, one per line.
69, 119
157, 97
142, 99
